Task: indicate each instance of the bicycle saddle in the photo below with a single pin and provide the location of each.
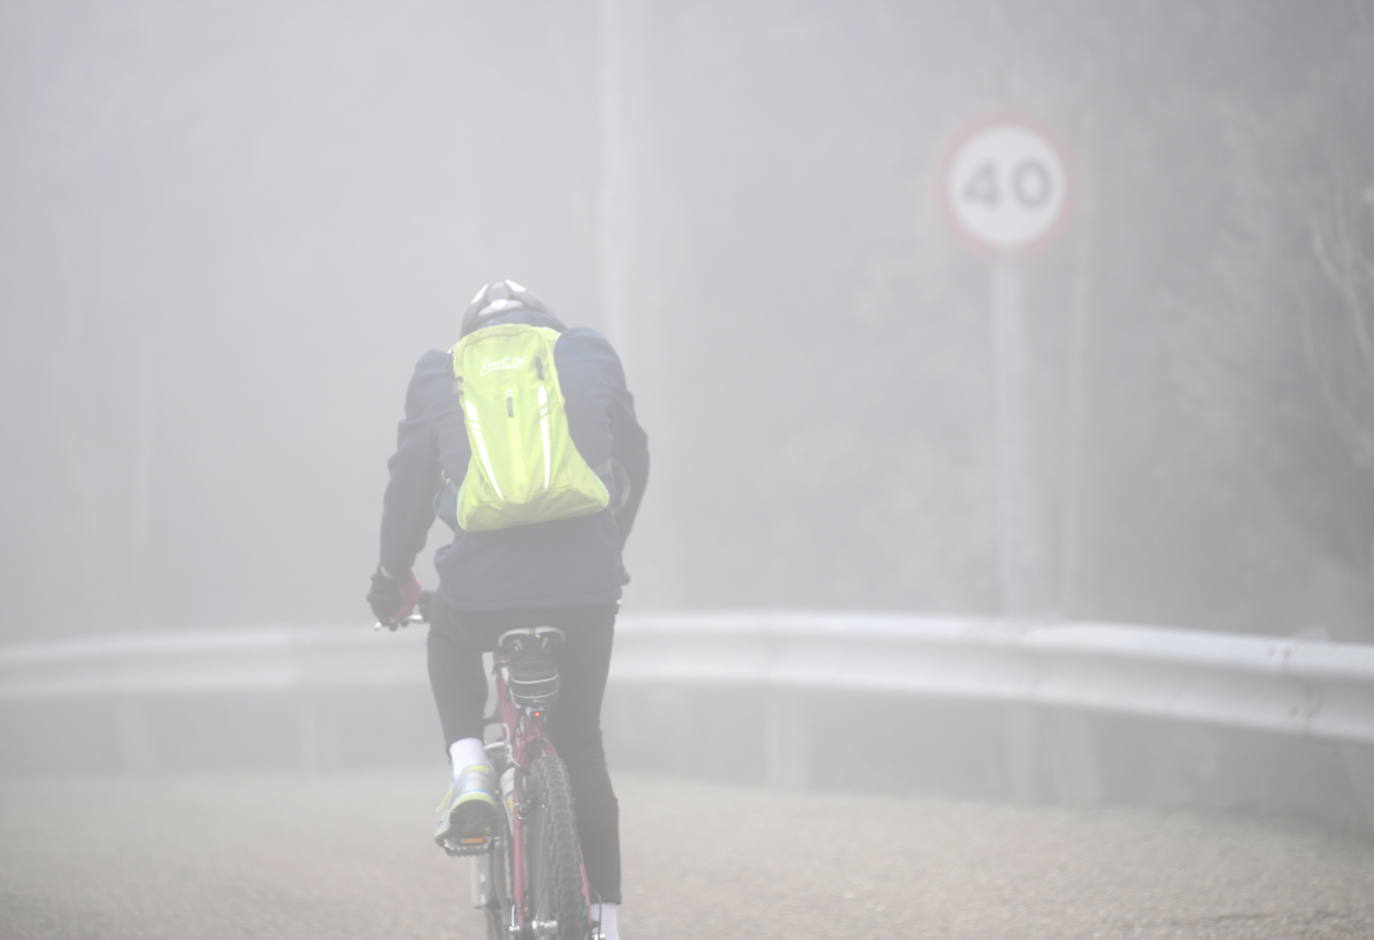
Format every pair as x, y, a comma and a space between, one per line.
533, 670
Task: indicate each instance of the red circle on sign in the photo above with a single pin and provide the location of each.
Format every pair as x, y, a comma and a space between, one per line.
957, 148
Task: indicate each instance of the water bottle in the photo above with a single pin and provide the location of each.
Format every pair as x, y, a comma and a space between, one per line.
508, 790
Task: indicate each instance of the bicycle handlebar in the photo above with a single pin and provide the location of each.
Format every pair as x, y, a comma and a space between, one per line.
418, 614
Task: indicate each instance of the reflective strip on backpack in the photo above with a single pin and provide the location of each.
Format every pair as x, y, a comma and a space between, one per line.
475, 426
544, 435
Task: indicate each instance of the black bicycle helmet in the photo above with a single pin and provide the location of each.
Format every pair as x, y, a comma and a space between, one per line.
500, 299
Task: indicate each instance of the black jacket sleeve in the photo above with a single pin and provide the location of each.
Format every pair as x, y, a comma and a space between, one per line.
631, 451
408, 503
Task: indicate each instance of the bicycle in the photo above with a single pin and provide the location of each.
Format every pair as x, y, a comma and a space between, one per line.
527, 877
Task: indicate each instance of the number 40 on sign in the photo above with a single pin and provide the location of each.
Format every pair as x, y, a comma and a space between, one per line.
1005, 186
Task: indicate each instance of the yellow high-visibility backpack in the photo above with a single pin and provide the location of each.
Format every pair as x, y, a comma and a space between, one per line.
524, 467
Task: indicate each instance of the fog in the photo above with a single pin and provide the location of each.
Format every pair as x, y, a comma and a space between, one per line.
230, 229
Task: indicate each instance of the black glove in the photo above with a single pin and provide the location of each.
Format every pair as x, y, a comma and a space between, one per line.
392, 597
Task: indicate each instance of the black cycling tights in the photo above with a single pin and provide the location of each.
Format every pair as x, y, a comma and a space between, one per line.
456, 643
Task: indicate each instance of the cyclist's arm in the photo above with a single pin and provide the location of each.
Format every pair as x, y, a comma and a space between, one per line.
629, 443
630, 446
408, 503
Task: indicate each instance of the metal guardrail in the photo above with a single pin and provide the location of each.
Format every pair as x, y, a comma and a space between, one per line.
1303, 687
1292, 686
1051, 678
210, 661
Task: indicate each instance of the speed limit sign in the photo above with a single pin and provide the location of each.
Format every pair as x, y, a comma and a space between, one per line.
1005, 185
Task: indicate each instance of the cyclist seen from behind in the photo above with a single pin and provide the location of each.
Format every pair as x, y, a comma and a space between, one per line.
523, 439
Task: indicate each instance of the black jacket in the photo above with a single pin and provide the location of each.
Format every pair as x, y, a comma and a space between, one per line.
565, 563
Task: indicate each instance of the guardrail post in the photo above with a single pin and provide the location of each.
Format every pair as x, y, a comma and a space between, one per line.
1021, 747
134, 736
786, 740
308, 734
1359, 766
1077, 781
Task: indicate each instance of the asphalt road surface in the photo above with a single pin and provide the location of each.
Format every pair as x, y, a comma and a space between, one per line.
349, 857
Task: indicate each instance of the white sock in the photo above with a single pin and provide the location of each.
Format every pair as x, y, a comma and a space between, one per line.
466, 752
606, 913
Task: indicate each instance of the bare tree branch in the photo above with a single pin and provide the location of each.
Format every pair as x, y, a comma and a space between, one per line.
1350, 284
1341, 270
1345, 419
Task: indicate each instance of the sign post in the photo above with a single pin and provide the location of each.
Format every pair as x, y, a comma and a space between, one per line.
1005, 187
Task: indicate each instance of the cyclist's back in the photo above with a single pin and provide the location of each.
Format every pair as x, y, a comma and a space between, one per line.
565, 573
565, 562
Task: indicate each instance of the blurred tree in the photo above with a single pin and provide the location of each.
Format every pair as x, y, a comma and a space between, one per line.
1256, 449
1214, 473
1338, 307
809, 344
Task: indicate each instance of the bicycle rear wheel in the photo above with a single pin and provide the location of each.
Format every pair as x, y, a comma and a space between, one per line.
557, 887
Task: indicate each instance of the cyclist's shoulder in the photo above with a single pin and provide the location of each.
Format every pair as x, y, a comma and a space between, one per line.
431, 381
582, 338
586, 349
434, 362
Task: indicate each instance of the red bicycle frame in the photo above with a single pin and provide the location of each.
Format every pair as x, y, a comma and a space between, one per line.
525, 741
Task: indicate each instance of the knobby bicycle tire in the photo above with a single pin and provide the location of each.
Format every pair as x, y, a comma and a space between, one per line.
555, 857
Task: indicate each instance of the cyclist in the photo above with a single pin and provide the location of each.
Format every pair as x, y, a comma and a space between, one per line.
566, 573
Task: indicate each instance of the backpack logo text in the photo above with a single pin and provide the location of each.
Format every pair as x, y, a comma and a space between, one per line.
501, 365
